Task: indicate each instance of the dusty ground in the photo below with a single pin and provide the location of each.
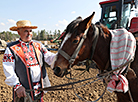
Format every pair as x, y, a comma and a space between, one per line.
90, 92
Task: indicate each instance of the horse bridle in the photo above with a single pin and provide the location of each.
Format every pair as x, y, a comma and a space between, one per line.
72, 58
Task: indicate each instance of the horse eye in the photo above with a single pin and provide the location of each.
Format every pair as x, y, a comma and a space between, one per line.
75, 41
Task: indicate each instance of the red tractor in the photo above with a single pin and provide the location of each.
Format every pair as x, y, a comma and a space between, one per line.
117, 14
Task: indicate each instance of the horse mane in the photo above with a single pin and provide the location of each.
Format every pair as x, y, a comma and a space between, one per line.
70, 28
105, 31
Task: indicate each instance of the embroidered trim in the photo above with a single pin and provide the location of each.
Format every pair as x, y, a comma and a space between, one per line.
17, 86
36, 86
44, 50
29, 54
8, 58
17, 48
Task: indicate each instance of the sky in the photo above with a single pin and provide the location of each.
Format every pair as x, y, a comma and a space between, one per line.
46, 14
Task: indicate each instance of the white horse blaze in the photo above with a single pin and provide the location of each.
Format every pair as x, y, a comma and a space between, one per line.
65, 39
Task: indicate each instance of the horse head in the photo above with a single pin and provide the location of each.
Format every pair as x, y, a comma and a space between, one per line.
76, 45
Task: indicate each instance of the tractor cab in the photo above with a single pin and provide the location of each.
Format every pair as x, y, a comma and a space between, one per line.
116, 13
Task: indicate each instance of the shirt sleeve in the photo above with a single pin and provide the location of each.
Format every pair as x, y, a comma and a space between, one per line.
9, 68
49, 57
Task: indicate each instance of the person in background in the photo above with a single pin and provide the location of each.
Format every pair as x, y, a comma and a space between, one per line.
24, 63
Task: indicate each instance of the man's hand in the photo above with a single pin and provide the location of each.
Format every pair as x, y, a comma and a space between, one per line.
21, 92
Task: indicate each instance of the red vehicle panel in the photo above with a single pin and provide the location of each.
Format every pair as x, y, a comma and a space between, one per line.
134, 25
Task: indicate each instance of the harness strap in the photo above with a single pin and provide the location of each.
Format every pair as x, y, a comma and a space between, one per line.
72, 58
63, 53
80, 44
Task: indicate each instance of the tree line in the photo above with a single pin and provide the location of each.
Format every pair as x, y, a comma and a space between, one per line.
40, 35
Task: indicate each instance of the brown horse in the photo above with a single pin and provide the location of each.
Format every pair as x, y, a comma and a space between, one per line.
97, 50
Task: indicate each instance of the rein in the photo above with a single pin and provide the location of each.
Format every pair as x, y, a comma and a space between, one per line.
60, 87
118, 68
100, 76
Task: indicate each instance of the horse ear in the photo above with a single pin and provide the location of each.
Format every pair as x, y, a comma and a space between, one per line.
79, 17
86, 22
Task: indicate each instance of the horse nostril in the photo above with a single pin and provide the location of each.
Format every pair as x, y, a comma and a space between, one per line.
57, 71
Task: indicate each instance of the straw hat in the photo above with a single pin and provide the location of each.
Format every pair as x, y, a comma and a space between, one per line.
22, 24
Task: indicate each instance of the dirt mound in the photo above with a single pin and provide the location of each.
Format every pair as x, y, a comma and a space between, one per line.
89, 92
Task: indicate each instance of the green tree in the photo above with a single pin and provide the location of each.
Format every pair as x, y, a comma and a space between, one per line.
8, 36
58, 32
34, 35
55, 33
47, 35
42, 34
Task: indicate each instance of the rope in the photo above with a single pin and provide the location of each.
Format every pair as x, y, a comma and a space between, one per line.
118, 68
130, 96
25, 99
60, 87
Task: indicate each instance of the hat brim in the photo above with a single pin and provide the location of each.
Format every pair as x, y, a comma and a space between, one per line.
14, 28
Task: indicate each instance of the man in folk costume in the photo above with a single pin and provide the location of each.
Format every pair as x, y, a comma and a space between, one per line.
23, 63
